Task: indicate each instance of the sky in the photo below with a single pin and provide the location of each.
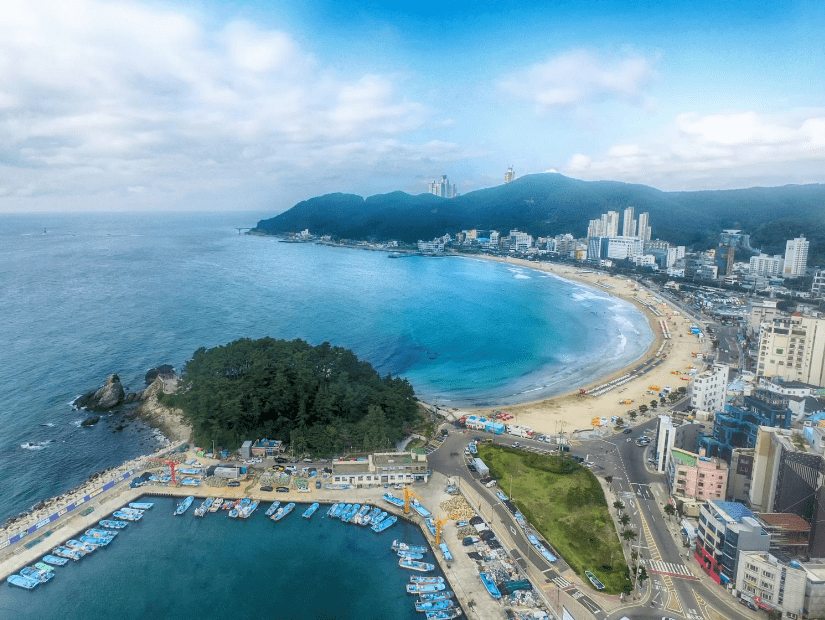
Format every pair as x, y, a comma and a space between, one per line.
112, 105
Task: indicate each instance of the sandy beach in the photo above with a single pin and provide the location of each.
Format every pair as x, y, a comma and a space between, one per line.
570, 411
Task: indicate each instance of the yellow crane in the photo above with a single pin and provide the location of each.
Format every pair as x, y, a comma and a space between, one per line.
408, 495
439, 523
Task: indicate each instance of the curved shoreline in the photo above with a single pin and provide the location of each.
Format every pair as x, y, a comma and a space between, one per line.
569, 411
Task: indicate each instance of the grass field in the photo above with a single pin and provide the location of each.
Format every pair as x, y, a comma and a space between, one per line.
566, 504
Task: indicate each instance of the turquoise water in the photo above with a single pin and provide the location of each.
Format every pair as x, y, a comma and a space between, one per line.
121, 293
215, 567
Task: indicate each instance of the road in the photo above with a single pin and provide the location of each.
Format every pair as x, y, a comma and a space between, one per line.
673, 590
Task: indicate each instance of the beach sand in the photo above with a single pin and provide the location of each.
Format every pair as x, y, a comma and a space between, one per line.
570, 412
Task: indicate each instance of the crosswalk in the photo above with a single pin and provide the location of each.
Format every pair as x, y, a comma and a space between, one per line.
561, 582
669, 568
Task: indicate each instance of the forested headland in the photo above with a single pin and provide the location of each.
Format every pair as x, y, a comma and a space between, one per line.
320, 399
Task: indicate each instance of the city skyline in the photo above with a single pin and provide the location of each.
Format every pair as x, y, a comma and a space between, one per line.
112, 106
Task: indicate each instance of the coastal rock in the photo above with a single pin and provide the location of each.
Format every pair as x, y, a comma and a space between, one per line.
166, 371
91, 420
108, 396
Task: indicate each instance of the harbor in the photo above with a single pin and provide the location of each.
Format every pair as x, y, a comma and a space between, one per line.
377, 509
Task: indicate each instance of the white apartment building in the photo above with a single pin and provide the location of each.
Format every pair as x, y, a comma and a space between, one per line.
620, 248
521, 241
796, 257
671, 434
818, 286
764, 265
709, 388
643, 227
610, 224
628, 223
793, 348
771, 583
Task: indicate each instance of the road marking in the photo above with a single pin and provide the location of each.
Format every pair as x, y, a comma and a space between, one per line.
673, 603
561, 582
668, 568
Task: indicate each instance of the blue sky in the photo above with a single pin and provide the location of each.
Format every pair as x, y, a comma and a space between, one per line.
119, 105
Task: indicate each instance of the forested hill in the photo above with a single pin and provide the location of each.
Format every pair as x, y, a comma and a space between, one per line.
320, 399
551, 204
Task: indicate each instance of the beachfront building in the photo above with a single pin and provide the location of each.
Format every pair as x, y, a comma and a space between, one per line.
693, 476
628, 223
773, 582
382, 468
725, 529
709, 388
264, 448
673, 433
793, 348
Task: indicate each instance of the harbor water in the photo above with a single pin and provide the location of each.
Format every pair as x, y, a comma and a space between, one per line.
179, 568
88, 295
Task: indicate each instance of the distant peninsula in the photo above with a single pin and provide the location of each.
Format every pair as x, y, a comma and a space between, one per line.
320, 399
550, 204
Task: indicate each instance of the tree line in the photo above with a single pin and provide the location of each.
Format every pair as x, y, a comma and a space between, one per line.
320, 399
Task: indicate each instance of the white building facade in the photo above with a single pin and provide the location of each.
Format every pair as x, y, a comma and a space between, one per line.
709, 388
796, 257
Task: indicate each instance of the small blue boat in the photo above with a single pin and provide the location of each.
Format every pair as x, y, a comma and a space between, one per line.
445, 552
271, 510
35, 573
44, 566
332, 509
54, 560
422, 567
96, 542
282, 512
191, 482
409, 555
378, 518
446, 614
80, 546
247, 512
370, 516
182, 507
439, 605
400, 546
430, 523
127, 516
23, 582
488, 582
101, 533
420, 509
436, 596
383, 525
141, 505
118, 525
392, 499
310, 511
67, 553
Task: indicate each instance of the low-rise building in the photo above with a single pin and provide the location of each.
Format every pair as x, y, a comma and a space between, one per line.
267, 448
692, 476
382, 468
773, 582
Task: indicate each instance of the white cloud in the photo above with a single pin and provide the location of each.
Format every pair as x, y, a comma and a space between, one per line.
118, 97
720, 150
581, 77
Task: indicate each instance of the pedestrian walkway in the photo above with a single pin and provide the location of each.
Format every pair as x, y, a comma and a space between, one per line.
660, 567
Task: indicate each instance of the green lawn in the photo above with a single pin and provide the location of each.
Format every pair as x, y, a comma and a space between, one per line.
564, 502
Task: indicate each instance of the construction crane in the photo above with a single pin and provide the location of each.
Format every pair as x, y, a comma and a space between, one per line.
408, 495
438, 525
171, 464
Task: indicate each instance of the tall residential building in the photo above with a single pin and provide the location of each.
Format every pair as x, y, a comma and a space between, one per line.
765, 265
796, 257
709, 389
442, 188
672, 433
628, 223
620, 248
793, 348
643, 227
818, 285
509, 175
610, 224
594, 229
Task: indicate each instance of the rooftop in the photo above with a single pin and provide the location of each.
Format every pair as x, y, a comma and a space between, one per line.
734, 510
787, 521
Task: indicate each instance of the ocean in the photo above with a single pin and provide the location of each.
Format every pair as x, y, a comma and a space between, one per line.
179, 568
88, 295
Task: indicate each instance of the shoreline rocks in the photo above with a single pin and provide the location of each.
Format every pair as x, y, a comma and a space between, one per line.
109, 396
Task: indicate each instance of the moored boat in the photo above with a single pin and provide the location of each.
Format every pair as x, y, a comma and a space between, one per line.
332, 509
383, 525
118, 525
23, 582
310, 511
436, 596
69, 554
35, 573
271, 510
282, 512
350, 515
96, 541
409, 555
96, 533
361, 514
184, 505
488, 582
206, 505
421, 579
216, 505
447, 614
443, 603
127, 516
79, 546
424, 588
43, 566
392, 499
378, 518
55, 560
235, 512
422, 567
247, 512
141, 505
367, 520
400, 546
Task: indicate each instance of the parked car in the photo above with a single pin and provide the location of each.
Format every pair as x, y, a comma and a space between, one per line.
266, 488
627, 431
516, 444
234, 483
282, 489
317, 484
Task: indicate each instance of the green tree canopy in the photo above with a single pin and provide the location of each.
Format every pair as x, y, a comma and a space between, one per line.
320, 399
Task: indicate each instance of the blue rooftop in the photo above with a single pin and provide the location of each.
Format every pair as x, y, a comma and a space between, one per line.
734, 510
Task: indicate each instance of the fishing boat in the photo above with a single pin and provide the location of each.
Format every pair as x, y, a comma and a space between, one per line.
445, 551
421, 567
594, 580
247, 512
206, 505
271, 510
55, 560
235, 512
436, 596
420, 509
351, 514
117, 525
400, 546
439, 605
44, 566
370, 516
361, 514
424, 588
35, 573
191, 482
488, 582
69, 554
282, 512
430, 523
547, 555
79, 546
332, 509
189, 471
384, 524
310, 511
96, 541
23, 582
100, 533
216, 505
409, 555
141, 505
447, 614
127, 516
132, 511
421, 579
392, 499
184, 506
343, 509
229, 504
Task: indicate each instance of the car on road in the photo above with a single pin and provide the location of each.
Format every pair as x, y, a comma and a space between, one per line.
471, 467
627, 431
516, 444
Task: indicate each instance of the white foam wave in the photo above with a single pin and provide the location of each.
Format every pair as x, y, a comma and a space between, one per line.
40, 445
49, 424
521, 276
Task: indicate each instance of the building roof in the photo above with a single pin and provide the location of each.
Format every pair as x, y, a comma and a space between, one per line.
734, 510
682, 457
787, 521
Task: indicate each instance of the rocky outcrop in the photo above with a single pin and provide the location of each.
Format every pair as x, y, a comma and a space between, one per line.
110, 395
90, 421
166, 371
170, 421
